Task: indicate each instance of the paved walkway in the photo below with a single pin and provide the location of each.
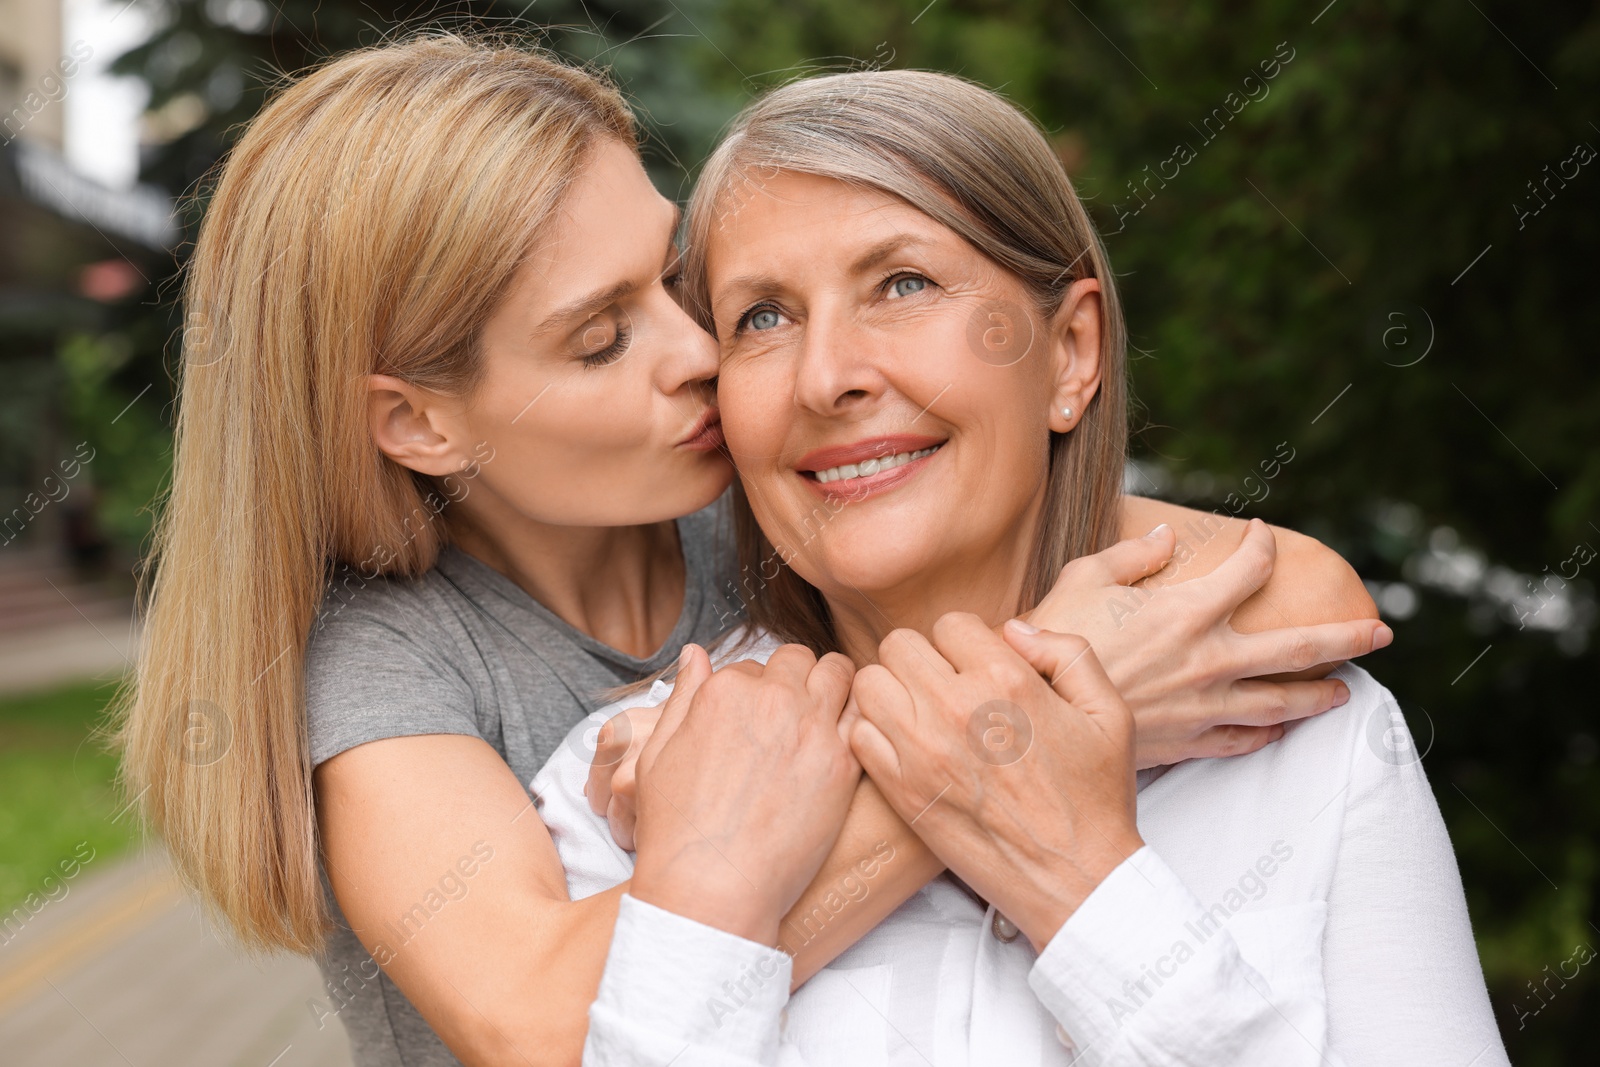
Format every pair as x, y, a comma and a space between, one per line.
56, 627
123, 971
98, 650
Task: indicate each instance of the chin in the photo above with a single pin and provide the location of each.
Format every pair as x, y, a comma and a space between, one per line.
658, 495
859, 560
701, 488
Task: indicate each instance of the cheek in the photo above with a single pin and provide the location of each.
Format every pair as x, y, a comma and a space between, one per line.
1003, 406
552, 435
756, 400
568, 405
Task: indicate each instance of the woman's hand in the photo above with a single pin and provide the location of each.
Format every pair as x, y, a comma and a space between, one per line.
613, 782
743, 787
1024, 790
1196, 686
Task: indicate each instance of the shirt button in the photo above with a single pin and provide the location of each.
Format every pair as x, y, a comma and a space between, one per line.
1004, 929
1065, 1039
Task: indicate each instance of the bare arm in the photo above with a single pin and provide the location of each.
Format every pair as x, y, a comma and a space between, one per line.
875, 849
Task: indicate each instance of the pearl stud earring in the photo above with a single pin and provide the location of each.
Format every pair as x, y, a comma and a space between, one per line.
1066, 413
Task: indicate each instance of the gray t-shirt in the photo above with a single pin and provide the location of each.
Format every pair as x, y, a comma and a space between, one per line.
464, 650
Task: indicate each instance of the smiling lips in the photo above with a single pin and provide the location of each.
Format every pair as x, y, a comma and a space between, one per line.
866, 467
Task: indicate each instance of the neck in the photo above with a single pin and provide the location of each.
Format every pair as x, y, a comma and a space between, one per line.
986, 581
622, 585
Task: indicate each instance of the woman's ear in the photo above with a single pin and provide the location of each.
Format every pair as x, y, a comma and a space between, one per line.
412, 426
1075, 350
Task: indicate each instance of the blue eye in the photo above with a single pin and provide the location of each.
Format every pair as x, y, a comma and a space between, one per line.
763, 319
908, 284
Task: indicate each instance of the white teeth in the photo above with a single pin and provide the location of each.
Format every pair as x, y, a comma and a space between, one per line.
867, 468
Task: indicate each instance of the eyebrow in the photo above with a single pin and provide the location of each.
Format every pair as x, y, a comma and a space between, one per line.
886, 248
585, 306
873, 256
601, 299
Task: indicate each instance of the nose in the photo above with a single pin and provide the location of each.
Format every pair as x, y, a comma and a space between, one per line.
693, 354
837, 368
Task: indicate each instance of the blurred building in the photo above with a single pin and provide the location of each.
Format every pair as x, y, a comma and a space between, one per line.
71, 251
29, 50
59, 231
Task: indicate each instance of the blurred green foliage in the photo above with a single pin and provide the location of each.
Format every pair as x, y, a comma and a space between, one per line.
58, 794
1361, 256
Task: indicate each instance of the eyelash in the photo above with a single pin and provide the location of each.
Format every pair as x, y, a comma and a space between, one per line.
613, 351
744, 318
890, 279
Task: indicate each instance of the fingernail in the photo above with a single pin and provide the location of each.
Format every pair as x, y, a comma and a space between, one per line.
683, 657
1157, 531
1382, 637
1341, 694
1021, 627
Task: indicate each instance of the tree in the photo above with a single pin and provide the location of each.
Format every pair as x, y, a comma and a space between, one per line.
1357, 233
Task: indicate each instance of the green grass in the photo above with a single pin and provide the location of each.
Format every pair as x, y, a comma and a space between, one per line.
57, 788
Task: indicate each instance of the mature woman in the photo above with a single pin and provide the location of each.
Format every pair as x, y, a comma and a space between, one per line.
1297, 905
444, 460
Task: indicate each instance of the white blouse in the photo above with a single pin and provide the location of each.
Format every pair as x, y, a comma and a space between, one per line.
1299, 905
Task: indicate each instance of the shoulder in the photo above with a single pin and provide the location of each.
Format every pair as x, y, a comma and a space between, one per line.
1209, 817
1361, 750
357, 608
1354, 777
1310, 583
369, 629
382, 661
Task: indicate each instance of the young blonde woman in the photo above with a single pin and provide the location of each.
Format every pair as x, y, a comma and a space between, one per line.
1296, 906
445, 469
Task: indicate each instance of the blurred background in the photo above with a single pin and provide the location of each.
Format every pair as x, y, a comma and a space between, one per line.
1357, 243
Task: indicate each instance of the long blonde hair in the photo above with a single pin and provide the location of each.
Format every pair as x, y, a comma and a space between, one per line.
970, 160
369, 220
